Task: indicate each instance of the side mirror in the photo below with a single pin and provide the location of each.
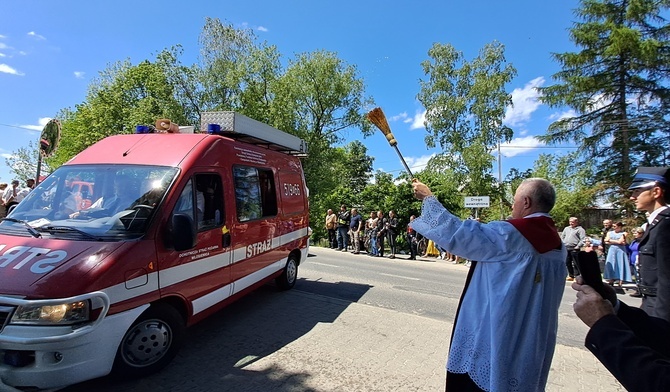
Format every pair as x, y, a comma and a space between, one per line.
183, 232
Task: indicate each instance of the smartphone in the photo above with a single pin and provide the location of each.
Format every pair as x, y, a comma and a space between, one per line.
589, 268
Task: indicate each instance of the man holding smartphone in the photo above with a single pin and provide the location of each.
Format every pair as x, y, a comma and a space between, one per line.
634, 344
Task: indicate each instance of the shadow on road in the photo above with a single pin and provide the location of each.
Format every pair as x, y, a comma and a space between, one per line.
217, 349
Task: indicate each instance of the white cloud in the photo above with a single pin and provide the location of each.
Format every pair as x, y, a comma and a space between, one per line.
35, 35
3, 55
79, 74
6, 155
598, 102
4, 68
524, 102
42, 121
418, 163
562, 115
400, 117
419, 120
263, 29
519, 145
4, 46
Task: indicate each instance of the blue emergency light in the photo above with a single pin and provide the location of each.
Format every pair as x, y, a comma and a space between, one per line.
142, 129
213, 129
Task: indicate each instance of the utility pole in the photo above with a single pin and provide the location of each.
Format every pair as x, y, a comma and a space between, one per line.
500, 184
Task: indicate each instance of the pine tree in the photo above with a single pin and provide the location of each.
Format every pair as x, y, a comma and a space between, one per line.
617, 87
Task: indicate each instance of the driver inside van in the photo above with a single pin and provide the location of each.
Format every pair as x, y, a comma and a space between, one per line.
107, 205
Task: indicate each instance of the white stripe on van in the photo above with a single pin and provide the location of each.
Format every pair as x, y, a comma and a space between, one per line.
191, 269
146, 284
120, 292
212, 298
218, 295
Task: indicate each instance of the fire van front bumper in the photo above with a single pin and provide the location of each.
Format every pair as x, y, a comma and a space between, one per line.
47, 357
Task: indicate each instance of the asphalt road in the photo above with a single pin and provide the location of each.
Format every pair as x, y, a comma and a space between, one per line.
428, 287
275, 341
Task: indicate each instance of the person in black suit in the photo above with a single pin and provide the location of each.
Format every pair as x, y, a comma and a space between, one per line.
651, 191
633, 346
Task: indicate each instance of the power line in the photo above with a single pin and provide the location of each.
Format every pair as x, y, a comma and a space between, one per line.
19, 127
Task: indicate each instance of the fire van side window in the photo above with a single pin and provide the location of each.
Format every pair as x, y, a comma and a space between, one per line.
208, 211
209, 201
255, 193
185, 202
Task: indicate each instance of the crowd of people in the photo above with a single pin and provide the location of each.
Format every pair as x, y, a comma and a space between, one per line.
348, 230
12, 194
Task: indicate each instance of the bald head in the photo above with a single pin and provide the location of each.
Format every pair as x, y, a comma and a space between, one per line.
533, 195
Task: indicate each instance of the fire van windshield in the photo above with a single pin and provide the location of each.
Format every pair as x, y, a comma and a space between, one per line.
97, 201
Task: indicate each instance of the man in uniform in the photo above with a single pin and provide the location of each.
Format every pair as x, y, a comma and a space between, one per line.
651, 190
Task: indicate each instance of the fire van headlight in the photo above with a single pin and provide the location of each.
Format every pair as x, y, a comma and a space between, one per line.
59, 314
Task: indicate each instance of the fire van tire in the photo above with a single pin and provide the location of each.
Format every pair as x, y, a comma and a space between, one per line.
287, 279
150, 343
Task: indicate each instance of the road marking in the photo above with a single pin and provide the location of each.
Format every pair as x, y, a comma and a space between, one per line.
327, 265
399, 276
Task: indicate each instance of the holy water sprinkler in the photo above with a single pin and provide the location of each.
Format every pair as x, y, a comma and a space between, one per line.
377, 117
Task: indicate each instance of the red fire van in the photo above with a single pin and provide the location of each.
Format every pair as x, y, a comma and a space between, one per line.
179, 226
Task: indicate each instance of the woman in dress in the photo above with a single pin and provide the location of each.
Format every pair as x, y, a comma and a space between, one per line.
616, 264
633, 252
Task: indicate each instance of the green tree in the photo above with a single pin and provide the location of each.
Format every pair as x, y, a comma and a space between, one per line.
574, 184
23, 162
222, 49
465, 104
121, 98
617, 85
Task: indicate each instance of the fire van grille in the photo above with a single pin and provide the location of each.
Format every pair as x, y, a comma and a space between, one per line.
5, 315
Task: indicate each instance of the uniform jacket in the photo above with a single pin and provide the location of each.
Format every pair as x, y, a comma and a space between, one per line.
634, 347
654, 259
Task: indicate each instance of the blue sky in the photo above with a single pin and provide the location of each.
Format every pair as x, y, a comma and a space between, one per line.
51, 50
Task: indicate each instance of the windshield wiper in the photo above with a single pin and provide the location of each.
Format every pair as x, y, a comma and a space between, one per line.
31, 229
64, 229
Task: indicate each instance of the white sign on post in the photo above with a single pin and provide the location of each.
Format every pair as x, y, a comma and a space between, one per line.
477, 201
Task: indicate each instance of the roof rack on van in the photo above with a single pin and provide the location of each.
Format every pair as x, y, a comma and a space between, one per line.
248, 130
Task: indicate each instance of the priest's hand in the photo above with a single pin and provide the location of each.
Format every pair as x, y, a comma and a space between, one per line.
421, 190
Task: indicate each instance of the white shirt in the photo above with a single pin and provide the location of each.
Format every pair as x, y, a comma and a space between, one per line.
655, 213
9, 192
22, 194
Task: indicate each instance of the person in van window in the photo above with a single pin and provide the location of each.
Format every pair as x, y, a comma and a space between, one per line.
343, 219
107, 205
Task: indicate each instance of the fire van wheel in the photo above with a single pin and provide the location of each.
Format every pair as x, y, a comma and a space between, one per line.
150, 343
288, 277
